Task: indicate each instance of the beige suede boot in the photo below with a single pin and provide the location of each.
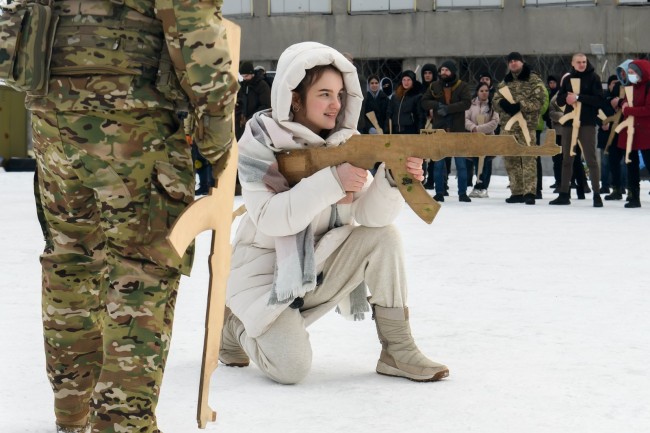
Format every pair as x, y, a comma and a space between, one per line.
230, 351
400, 356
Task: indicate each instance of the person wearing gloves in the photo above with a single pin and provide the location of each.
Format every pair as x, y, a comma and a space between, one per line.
590, 97
302, 251
446, 100
638, 75
529, 95
115, 172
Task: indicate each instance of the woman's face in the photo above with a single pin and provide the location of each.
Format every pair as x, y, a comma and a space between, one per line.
483, 93
322, 103
407, 83
374, 85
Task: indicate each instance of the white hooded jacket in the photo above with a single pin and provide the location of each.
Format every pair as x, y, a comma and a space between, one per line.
309, 203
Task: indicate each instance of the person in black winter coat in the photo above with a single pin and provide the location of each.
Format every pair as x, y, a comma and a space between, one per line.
446, 100
614, 154
376, 101
429, 74
254, 95
402, 115
590, 96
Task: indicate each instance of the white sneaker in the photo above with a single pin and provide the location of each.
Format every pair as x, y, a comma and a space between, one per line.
474, 193
482, 193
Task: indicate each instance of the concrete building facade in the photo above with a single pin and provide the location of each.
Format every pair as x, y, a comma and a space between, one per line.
546, 32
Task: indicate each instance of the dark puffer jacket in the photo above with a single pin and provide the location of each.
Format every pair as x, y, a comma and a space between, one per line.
590, 95
461, 100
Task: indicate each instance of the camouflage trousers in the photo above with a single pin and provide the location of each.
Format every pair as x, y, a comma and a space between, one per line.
522, 170
111, 185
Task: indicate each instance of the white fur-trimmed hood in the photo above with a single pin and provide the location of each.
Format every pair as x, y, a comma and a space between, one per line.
292, 65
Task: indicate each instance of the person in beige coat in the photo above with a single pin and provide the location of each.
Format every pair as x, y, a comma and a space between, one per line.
481, 118
324, 243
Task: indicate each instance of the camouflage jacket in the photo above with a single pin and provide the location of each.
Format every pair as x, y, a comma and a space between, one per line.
107, 55
528, 90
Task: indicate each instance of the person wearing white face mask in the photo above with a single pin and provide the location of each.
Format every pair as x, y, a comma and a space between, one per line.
638, 74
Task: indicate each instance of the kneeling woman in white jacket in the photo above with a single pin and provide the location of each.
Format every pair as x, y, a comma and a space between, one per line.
300, 252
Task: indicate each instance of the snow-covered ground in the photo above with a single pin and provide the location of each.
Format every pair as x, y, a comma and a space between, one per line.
541, 312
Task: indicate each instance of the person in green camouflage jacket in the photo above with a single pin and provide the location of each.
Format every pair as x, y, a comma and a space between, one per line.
114, 174
529, 95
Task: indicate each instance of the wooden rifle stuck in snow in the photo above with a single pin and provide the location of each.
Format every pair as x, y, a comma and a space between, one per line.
213, 212
365, 150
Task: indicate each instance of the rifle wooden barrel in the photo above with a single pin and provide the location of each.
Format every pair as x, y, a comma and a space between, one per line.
365, 150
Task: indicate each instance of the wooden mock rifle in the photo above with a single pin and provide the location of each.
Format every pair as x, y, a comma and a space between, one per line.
213, 212
373, 119
575, 116
365, 150
628, 123
614, 120
517, 118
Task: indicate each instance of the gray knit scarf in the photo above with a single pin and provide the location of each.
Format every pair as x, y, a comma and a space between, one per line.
295, 268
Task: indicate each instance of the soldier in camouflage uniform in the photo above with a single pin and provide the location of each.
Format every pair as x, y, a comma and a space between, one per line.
115, 172
530, 95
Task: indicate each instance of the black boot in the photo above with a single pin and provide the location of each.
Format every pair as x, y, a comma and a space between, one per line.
598, 202
633, 199
439, 198
615, 195
515, 198
563, 198
529, 198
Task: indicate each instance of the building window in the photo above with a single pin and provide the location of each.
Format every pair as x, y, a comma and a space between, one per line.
559, 2
356, 6
467, 4
282, 7
237, 7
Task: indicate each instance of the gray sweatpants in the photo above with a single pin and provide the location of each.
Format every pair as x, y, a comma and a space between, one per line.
373, 255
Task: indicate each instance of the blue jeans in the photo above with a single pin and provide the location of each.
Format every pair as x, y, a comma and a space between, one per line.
439, 172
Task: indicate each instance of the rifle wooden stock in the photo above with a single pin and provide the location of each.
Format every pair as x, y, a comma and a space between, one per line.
213, 212
614, 120
629, 124
373, 119
517, 118
575, 116
365, 150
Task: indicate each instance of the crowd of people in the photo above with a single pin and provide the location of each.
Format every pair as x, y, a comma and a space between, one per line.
441, 100
115, 172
